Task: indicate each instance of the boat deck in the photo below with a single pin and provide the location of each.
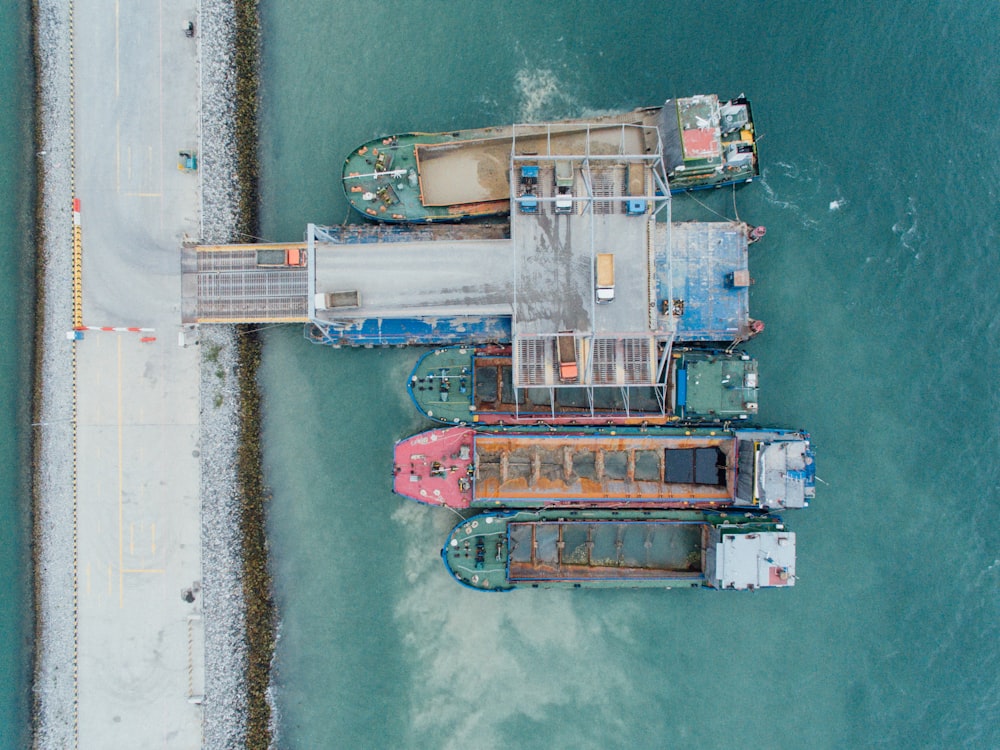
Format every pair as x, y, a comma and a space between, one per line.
468, 385
401, 279
718, 387
501, 551
461, 468
569, 550
474, 385
703, 280
473, 171
382, 180
554, 266
634, 470
450, 176
434, 177
435, 467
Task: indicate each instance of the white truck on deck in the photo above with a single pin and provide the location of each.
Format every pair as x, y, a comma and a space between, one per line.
564, 187
337, 300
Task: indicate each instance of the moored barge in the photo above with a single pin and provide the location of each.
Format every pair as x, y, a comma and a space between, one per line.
505, 550
474, 385
451, 176
460, 467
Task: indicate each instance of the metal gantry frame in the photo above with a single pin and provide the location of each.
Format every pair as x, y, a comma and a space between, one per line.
657, 192
664, 347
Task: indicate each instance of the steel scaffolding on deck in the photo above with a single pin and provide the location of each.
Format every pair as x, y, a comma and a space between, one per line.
624, 360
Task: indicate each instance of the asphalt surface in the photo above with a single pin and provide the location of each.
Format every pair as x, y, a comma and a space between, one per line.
140, 632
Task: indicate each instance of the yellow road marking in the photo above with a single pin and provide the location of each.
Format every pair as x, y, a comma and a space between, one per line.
117, 51
77, 275
144, 570
144, 195
121, 593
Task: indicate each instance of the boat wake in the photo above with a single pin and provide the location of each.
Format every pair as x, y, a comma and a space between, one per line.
906, 229
482, 661
541, 95
806, 183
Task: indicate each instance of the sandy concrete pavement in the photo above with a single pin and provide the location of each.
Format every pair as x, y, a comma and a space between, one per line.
140, 644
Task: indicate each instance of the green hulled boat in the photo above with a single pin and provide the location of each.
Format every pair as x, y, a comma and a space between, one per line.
620, 549
463, 174
474, 385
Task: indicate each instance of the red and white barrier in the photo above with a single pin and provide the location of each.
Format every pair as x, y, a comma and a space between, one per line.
115, 329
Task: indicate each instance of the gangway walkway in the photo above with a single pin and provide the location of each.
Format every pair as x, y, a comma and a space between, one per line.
698, 277
228, 284
269, 282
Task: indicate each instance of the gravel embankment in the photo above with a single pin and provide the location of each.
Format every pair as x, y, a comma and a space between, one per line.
54, 548
222, 544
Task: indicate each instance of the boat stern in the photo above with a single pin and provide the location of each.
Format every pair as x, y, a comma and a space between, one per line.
744, 559
777, 469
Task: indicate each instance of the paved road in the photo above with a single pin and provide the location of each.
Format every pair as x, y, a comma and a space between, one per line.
140, 652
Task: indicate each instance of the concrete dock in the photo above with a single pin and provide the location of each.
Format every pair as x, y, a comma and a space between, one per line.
140, 632
138, 671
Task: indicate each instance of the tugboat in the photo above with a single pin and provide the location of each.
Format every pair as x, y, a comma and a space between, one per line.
464, 174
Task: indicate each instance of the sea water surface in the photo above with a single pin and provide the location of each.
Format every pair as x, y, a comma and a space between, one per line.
17, 249
877, 283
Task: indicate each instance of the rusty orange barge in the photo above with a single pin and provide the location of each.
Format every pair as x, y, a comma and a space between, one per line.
460, 467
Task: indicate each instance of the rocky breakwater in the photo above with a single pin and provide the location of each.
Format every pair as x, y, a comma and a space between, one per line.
239, 616
54, 492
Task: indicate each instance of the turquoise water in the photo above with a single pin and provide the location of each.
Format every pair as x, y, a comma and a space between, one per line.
17, 189
876, 281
